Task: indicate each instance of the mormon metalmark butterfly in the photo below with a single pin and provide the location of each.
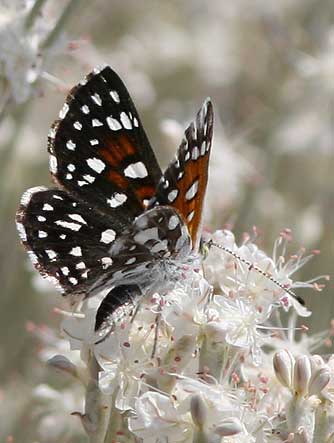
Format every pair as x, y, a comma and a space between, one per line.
115, 221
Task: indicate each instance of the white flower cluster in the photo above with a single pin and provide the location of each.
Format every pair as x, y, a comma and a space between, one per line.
208, 362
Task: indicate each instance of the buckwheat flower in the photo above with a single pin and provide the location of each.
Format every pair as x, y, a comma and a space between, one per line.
253, 275
158, 416
240, 324
195, 409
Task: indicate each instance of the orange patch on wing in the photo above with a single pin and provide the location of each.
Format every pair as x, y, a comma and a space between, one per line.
118, 179
117, 150
145, 192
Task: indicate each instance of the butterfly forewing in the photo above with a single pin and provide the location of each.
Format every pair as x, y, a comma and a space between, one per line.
183, 184
65, 239
99, 151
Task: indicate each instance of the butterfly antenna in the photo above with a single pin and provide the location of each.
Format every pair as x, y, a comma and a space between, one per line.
251, 267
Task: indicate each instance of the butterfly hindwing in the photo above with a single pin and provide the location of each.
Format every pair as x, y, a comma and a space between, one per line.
66, 240
158, 235
99, 151
183, 184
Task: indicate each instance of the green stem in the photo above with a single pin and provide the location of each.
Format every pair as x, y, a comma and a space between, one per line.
33, 14
66, 14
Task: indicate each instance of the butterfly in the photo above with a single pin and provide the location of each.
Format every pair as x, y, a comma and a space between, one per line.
114, 221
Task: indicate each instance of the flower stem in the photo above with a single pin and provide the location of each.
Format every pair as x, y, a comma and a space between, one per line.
66, 14
33, 14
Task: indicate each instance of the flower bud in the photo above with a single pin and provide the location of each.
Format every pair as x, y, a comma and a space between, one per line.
302, 374
319, 381
63, 364
198, 410
229, 427
283, 364
316, 362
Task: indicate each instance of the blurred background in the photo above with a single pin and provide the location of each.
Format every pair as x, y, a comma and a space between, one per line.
269, 69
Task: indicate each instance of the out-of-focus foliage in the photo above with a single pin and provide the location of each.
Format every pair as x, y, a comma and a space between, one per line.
269, 69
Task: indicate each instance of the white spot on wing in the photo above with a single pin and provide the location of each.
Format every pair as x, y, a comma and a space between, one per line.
76, 251
25, 199
85, 109
88, 178
96, 164
114, 95
96, 122
173, 222
53, 164
106, 262
68, 225
195, 153
190, 216
192, 191
108, 236
125, 121
42, 234
131, 261
47, 207
136, 170
135, 122
113, 124
117, 200
172, 195
78, 218
147, 234
65, 270
80, 265
73, 280
51, 254
52, 133
77, 125
22, 231
33, 257
63, 111
40, 218
71, 167
94, 142
97, 99
70, 145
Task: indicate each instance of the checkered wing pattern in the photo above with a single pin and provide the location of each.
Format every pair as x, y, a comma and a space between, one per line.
115, 222
99, 152
66, 240
183, 184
